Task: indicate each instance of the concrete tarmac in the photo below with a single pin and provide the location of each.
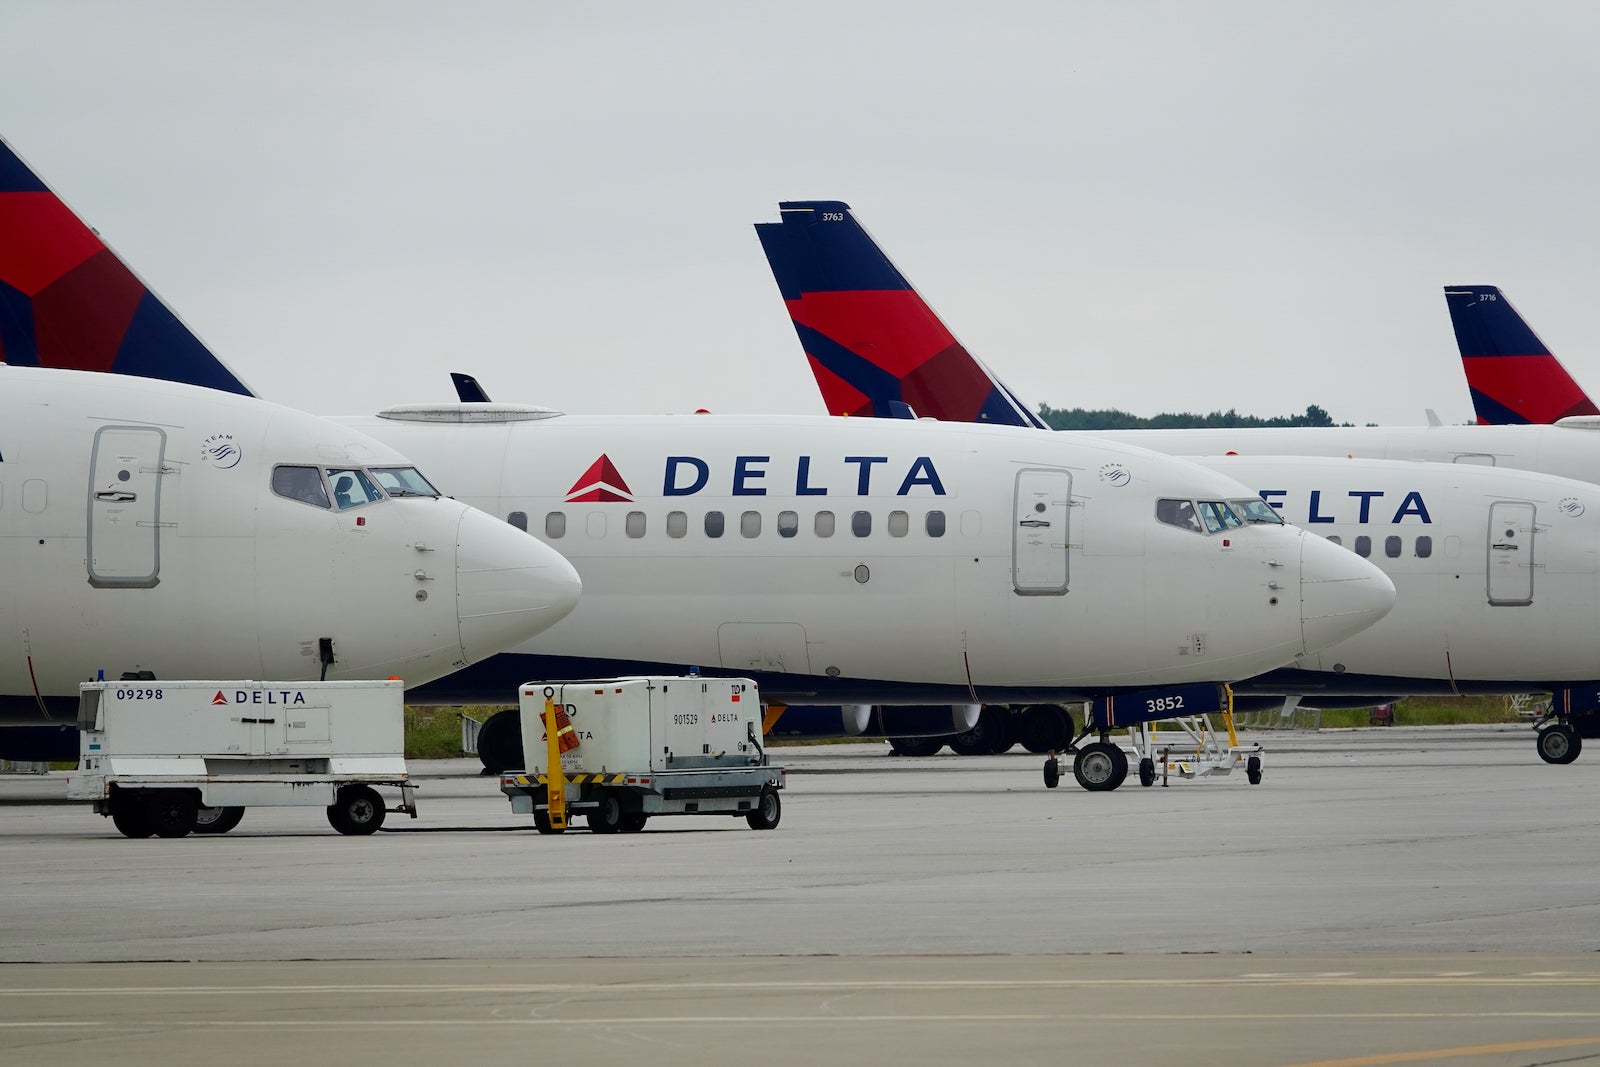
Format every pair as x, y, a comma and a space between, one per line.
1428, 894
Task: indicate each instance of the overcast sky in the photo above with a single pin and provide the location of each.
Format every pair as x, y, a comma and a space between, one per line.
1146, 206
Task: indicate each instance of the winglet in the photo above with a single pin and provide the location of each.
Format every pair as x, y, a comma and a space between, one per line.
468, 389
1512, 374
67, 301
870, 339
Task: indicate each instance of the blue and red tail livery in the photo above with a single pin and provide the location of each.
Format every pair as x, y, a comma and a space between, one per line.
67, 301
1512, 374
870, 339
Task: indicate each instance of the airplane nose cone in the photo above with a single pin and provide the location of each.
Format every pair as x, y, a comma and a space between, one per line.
509, 586
1341, 594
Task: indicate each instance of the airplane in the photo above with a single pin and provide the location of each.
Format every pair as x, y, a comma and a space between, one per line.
1513, 376
150, 530
1462, 543
867, 562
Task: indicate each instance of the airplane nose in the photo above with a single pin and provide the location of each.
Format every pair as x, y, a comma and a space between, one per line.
1341, 594
509, 586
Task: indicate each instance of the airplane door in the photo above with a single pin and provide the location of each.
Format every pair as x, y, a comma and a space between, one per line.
1511, 538
124, 548
1039, 532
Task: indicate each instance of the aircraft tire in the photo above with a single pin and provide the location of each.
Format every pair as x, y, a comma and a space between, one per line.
1044, 728
633, 822
1559, 743
1052, 773
1252, 770
915, 746
217, 820
1100, 767
357, 810
129, 816
608, 817
1147, 772
171, 812
500, 742
767, 812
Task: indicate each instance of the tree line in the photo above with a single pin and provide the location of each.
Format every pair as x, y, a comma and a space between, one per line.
1114, 419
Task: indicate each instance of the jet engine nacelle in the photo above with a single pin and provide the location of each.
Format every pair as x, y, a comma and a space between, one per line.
922, 720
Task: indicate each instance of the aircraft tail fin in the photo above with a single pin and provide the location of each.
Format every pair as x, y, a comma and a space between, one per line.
870, 339
1512, 374
67, 301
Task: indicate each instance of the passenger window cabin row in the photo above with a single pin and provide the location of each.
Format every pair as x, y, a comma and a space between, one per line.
714, 524
1393, 545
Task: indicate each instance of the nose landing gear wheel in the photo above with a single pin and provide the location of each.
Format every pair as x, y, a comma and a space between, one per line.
1559, 743
1100, 767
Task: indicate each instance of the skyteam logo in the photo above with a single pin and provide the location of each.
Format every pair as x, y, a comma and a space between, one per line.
220, 451
1570, 505
600, 482
1115, 474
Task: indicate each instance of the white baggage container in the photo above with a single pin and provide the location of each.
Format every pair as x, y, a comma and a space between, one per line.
657, 745
167, 757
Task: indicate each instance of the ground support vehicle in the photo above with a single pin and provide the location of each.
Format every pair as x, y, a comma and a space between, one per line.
629, 749
1192, 747
171, 758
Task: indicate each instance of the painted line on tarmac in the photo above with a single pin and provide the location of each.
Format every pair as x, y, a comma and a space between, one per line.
1453, 1053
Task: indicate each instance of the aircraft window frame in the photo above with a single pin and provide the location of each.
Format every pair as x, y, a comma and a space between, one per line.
1179, 513
1424, 546
861, 523
1256, 512
750, 524
1218, 516
359, 480
824, 524
410, 481
899, 523
677, 524
315, 495
788, 523
555, 525
716, 524
634, 524
518, 520
934, 524
1393, 545
1363, 546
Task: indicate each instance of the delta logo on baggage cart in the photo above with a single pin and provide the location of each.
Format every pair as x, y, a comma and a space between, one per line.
259, 696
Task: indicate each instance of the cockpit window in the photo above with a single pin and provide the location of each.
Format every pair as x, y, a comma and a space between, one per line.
403, 481
300, 483
352, 487
1179, 513
1256, 510
1218, 516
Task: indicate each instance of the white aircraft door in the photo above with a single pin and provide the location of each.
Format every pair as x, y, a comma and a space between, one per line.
1511, 539
124, 548
1039, 532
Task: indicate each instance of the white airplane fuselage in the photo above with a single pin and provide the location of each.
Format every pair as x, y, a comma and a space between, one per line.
1496, 572
866, 559
140, 530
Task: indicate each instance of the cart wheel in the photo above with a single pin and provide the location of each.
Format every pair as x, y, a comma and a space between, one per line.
541, 823
358, 809
915, 746
633, 822
128, 815
767, 812
1052, 773
171, 812
607, 818
1252, 770
1559, 743
217, 820
1147, 771
1100, 767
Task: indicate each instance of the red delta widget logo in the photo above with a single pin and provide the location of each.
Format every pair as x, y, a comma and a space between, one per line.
688, 475
260, 696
